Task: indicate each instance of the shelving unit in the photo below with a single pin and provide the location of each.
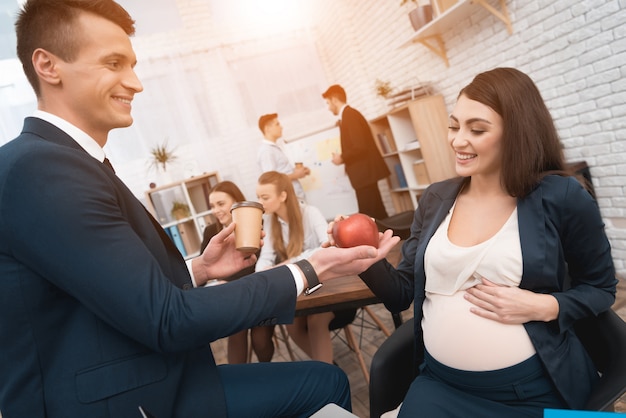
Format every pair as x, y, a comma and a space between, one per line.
430, 34
186, 230
414, 142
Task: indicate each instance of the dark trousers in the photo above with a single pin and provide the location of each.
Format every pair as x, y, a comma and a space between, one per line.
370, 202
519, 391
289, 389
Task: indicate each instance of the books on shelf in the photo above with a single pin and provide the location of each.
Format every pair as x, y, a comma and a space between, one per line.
402, 201
189, 236
383, 141
421, 175
159, 202
393, 179
400, 174
174, 234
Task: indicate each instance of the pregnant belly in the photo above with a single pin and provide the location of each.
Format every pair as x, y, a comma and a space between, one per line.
458, 338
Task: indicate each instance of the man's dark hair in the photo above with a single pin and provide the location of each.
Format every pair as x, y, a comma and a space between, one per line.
51, 25
335, 91
265, 119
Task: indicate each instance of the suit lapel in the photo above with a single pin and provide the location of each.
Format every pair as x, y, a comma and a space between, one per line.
51, 133
532, 231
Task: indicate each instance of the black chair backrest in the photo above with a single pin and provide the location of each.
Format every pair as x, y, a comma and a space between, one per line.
604, 338
392, 370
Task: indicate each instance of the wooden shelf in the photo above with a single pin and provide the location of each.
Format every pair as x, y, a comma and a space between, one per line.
418, 130
430, 34
186, 232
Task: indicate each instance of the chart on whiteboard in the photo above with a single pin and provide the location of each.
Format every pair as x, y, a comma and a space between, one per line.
327, 187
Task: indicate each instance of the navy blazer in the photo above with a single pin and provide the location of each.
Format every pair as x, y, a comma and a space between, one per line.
97, 312
363, 163
561, 233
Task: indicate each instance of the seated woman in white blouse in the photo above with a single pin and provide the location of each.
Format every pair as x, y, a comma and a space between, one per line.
292, 231
500, 264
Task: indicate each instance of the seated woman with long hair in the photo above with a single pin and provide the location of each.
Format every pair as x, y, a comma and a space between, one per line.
221, 198
292, 232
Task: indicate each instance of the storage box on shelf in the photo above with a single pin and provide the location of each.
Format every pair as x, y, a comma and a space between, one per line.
184, 227
414, 142
448, 15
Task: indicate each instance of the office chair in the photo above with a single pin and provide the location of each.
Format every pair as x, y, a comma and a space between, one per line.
399, 223
604, 337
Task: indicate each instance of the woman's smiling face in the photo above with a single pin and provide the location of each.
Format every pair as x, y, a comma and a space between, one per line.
475, 135
221, 203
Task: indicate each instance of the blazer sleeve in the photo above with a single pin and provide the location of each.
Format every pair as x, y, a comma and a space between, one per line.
587, 253
396, 286
87, 245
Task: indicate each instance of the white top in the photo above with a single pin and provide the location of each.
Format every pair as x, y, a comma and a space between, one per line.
452, 334
315, 227
272, 157
83, 139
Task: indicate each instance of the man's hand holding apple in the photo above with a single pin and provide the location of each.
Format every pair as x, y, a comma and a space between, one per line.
361, 246
332, 262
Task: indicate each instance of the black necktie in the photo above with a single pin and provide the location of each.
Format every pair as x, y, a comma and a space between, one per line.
108, 164
164, 237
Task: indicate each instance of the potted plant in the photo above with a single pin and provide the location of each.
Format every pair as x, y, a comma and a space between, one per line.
421, 15
383, 88
162, 156
180, 210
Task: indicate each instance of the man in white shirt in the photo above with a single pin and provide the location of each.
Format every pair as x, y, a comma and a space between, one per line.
272, 157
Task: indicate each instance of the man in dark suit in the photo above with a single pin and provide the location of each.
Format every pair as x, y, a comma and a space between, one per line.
99, 314
363, 163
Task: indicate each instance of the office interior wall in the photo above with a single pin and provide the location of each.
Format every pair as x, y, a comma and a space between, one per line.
574, 50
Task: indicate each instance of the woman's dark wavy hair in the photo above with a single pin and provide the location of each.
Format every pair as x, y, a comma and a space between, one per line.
530, 144
51, 25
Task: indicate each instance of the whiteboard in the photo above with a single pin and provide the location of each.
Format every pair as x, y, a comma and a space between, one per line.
327, 187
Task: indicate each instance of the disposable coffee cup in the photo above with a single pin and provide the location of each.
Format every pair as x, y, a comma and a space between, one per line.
248, 218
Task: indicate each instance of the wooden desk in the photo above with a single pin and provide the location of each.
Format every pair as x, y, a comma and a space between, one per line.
347, 292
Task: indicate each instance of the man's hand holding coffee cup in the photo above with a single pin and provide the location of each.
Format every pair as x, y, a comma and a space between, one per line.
221, 258
300, 170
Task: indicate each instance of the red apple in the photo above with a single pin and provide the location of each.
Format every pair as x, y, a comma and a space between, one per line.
357, 229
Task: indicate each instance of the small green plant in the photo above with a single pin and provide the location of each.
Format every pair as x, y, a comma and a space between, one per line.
162, 156
383, 88
180, 210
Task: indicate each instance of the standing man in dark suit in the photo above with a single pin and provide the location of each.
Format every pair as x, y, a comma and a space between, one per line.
99, 314
363, 162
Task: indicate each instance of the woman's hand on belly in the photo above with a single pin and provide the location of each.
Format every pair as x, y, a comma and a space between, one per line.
511, 305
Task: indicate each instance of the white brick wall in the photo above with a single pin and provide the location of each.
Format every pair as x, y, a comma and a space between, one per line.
574, 50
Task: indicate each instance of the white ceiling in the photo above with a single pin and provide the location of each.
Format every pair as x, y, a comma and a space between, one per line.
161, 15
